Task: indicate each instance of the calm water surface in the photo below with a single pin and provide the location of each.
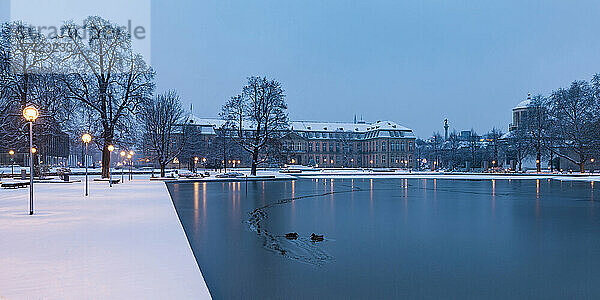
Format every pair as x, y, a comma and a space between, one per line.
394, 238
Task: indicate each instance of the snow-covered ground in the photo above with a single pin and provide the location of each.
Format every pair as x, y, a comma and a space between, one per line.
120, 243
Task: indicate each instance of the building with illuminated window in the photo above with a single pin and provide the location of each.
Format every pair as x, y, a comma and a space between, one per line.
381, 144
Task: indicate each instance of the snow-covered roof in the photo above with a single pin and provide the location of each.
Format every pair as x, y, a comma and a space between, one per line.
342, 126
506, 135
384, 127
523, 104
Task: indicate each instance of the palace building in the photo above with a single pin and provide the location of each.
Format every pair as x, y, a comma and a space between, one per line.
381, 144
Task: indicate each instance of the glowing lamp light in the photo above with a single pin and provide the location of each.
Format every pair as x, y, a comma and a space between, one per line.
129, 156
30, 113
195, 159
33, 150
86, 138
111, 148
239, 161
204, 159
131, 153
537, 161
592, 160
122, 153
11, 152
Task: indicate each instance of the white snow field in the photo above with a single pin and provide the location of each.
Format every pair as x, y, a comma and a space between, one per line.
124, 242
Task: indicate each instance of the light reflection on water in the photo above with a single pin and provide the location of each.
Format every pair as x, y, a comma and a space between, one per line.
396, 238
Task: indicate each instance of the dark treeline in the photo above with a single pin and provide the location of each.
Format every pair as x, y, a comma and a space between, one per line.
564, 124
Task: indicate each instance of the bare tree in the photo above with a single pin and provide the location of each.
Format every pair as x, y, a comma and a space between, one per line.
436, 141
28, 77
535, 123
162, 117
453, 145
257, 116
518, 145
575, 115
473, 146
109, 79
494, 136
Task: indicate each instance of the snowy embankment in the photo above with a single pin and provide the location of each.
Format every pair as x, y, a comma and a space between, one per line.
124, 242
357, 174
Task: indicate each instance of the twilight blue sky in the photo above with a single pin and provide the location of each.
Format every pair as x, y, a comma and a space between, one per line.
415, 62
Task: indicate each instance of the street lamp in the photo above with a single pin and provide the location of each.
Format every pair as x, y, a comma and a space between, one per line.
195, 162
12, 163
130, 157
122, 165
110, 148
30, 113
86, 138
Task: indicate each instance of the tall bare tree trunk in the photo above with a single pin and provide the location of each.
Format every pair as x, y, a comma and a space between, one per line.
105, 160
254, 162
162, 170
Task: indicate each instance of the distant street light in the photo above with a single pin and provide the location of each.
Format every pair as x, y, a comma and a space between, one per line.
30, 113
111, 148
86, 138
130, 157
195, 162
122, 165
12, 163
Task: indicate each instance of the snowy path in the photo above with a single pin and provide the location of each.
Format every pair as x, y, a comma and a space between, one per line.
120, 243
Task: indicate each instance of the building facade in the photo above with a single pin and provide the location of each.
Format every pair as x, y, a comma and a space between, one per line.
381, 144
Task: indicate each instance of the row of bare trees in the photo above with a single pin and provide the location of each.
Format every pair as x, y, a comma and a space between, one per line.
564, 124
87, 78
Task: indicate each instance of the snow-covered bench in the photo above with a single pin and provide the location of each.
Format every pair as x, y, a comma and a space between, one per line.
14, 184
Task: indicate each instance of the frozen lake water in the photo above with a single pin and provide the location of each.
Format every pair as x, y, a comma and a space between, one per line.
394, 238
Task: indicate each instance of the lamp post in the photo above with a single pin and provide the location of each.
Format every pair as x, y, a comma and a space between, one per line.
30, 113
86, 138
12, 163
122, 165
130, 156
195, 164
110, 148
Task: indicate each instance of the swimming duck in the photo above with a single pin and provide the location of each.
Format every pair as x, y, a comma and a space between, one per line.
316, 237
291, 236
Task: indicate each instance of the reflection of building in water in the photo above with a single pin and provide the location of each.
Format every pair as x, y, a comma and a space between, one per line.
322, 144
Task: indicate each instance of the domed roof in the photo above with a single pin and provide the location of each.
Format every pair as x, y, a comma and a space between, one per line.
524, 104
